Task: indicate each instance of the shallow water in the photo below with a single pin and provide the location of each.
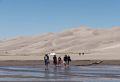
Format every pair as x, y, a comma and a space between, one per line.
99, 73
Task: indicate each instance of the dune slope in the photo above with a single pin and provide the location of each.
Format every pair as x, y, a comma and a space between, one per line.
95, 43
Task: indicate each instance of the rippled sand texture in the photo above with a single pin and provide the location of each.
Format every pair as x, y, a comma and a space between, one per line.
97, 44
99, 73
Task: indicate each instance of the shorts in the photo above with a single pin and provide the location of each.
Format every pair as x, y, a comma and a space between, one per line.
65, 62
55, 62
46, 62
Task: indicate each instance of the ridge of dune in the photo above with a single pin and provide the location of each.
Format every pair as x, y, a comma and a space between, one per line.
83, 39
110, 47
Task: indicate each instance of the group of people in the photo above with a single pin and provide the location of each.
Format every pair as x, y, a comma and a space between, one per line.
57, 61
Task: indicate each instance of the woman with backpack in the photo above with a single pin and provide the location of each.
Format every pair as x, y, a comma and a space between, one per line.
46, 61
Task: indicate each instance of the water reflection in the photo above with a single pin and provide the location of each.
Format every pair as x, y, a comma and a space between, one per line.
72, 73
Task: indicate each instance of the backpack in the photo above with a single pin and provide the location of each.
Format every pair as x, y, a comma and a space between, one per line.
46, 58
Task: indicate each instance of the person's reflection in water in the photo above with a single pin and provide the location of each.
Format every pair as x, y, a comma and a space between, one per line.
67, 72
46, 75
55, 73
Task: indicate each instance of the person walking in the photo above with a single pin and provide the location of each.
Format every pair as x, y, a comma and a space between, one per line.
69, 60
46, 61
65, 60
55, 60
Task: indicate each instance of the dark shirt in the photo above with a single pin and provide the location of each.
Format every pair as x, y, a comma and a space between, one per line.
54, 59
69, 59
65, 58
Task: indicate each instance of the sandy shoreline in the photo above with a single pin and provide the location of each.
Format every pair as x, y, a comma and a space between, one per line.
34, 71
41, 62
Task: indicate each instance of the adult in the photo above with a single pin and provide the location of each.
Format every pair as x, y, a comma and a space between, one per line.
69, 60
46, 60
55, 60
65, 60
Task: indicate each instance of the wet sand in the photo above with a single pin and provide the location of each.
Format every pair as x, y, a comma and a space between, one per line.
79, 71
99, 73
75, 62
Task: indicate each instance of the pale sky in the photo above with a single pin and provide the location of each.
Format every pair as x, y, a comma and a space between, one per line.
33, 17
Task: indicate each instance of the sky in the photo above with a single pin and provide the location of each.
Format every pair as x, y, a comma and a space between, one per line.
33, 17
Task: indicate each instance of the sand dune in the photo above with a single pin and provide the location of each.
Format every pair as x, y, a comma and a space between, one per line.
93, 42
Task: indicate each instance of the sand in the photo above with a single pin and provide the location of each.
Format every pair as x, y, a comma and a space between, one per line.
96, 44
73, 63
99, 73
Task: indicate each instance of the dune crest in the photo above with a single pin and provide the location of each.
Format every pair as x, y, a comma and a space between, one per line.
83, 39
